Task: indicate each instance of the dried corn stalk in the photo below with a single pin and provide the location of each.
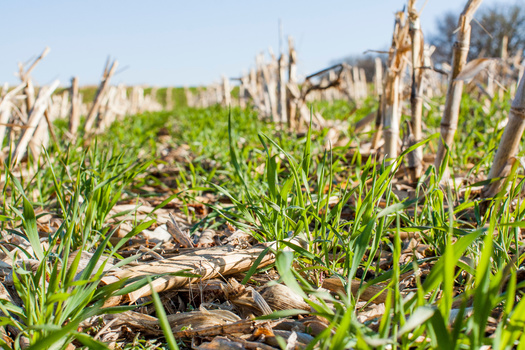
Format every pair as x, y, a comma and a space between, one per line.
5, 110
226, 92
449, 121
281, 91
29, 90
74, 118
396, 67
510, 141
292, 84
37, 112
206, 262
169, 99
270, 87
93, 113
378, 77
416, 99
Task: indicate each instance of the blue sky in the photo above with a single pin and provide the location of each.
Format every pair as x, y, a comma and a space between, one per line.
173, 43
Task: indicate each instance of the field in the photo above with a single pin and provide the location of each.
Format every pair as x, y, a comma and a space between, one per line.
370, 260
328, 213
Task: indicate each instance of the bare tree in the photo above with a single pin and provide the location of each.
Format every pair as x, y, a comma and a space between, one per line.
491, 25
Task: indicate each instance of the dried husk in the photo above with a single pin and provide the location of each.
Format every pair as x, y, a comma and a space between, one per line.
276, 296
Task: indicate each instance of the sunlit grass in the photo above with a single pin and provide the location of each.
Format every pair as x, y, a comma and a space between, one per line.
337, 215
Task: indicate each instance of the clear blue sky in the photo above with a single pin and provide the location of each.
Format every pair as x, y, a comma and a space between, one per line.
172, 43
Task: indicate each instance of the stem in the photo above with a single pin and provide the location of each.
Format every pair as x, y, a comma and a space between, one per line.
449, 121
508, 146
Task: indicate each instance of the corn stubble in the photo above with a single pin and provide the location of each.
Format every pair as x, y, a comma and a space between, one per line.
415, 157
509, 144
412, 268
396, 67
460, 51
